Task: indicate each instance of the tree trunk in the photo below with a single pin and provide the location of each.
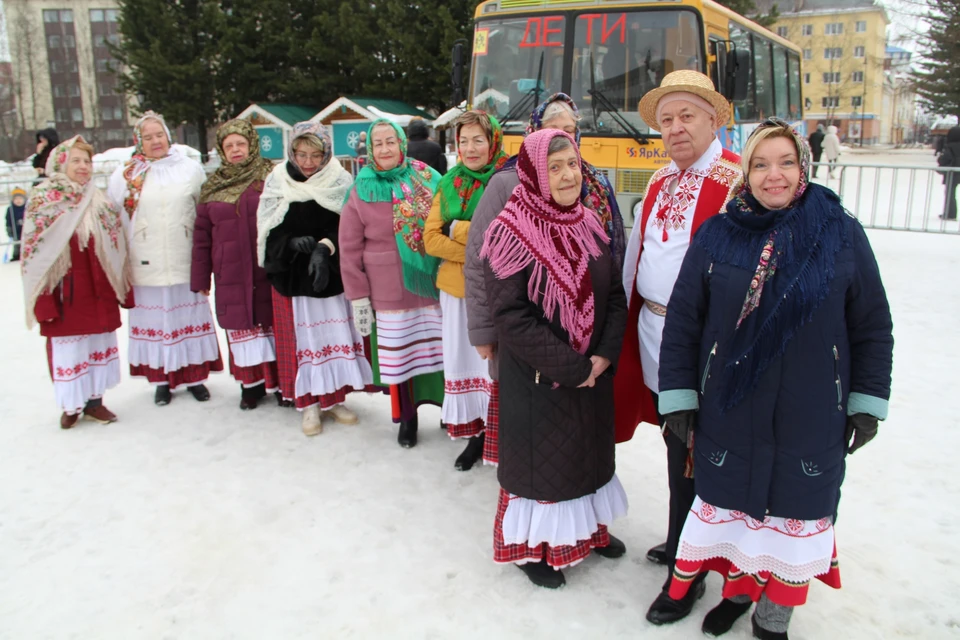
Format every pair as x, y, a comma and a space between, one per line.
202, 132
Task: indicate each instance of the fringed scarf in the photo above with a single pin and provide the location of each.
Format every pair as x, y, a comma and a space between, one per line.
792, 253
409, 187
229, 181
328, 187
596, 193
558, 240
135, 171
461, 188
58, 209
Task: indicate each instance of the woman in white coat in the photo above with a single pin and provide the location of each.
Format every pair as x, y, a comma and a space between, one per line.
173, 341
831, 147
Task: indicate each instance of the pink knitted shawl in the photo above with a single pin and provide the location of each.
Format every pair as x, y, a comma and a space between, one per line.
558, 240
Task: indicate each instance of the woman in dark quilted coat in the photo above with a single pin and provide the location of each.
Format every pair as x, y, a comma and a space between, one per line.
560, 314
775, 365
225, 244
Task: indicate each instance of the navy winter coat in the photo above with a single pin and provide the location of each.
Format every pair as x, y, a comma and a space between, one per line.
779, 451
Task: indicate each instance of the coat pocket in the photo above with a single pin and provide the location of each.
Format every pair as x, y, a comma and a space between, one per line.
385, 274
706, 369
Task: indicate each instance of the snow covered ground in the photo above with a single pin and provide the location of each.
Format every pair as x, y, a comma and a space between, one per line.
199, 521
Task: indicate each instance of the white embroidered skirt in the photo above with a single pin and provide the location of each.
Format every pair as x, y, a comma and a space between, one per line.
467, 382
330, 354
83, 368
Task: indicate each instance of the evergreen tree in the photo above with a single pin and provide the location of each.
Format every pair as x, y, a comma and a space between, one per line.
763, 12
168, 55
938, 79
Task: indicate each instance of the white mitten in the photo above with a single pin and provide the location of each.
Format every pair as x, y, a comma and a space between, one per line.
362, 316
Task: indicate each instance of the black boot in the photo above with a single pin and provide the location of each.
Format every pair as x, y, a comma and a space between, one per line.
721, 617
199, 392
616, 548
407, 436
665, 609
249, 397
471, 454
280, 401
763, 634
162, 396
658, 554
543, 575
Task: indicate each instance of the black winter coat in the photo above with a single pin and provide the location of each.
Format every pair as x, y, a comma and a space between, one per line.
555, 444
428, 151
816, 141
780, 451
287, 269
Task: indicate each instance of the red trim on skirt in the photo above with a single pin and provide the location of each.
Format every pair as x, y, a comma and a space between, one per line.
754, 585
557, 557
190, 375
491, 447
264, 373
469, 430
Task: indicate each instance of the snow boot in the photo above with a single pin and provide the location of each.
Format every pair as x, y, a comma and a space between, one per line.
763, 634
310, 421
199, 392
69, 420
543, 575
407, 434
658, 554
665, 609
721, 617
616, 549
342, 415
162, 396
280, 401
471, 454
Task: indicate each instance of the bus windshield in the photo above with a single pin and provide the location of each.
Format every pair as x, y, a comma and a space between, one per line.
518, 62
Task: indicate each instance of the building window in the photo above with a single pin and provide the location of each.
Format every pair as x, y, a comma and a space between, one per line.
861, 26
69, 42
72, 66
96, 15
806, 78
114, 38
53, 42
63, 115
51, 16
106, 114
832, 53
112, 15
55, 66
782, 32
833, 28
76, 114
856, 101
830, 101
99, 40
807, 30
831, 77
102, 65
66, 15
858, 52
858, 76
106, 89
74, 90
115, 134
808, 54
58, 91
118, 113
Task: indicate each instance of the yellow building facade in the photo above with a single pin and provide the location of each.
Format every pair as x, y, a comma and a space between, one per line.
843, 65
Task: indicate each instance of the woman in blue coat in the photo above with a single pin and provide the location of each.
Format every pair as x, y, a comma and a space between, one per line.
775, 365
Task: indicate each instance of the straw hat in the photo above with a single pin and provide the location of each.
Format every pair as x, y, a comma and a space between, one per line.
688, 81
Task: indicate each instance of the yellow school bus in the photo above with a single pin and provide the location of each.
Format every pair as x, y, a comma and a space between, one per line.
607, 54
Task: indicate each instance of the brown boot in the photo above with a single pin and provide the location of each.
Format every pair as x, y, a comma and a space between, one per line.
68, 421
100, 413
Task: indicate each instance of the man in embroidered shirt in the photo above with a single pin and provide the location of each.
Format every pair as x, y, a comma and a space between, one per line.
699, 181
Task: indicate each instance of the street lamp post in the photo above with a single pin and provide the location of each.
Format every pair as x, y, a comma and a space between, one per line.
863, 98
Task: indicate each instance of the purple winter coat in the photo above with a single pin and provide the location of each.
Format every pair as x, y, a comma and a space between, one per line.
225, 244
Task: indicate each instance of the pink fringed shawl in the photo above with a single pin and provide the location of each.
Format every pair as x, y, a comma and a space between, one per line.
558, 240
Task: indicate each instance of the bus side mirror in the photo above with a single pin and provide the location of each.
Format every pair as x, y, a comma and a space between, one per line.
456, 73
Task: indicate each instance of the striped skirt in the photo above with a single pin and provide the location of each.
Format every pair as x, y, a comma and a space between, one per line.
409, 343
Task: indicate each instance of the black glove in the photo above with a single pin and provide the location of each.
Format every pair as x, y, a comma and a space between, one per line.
445, 229
302, 244
320, 267
681, 423
861, 429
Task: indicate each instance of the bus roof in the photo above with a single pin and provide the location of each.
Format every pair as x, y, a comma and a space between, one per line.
526, 6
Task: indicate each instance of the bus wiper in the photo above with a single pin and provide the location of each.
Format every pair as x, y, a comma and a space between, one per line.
597, 96
531, 96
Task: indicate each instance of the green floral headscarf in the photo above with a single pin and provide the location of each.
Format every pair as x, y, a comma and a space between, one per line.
461, 188
409, 187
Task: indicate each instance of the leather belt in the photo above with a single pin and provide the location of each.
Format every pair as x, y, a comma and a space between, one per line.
657, 309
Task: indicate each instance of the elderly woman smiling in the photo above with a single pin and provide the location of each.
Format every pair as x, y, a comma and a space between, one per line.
776, 361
